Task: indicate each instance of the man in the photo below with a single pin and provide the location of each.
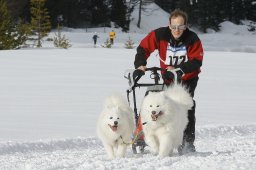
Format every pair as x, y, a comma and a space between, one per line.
95, 37
112, 35
181, 54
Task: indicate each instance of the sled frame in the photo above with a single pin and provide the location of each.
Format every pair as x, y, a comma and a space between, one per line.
155, 87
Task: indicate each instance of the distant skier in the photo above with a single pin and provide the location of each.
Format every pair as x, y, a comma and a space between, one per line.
95, 37
112, 35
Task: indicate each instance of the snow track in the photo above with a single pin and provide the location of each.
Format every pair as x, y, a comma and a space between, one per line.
219, 147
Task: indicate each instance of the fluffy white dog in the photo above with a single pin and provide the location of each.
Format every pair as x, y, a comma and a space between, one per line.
164, 115
115, 126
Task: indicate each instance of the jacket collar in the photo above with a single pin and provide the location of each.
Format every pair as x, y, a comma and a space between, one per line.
181, 39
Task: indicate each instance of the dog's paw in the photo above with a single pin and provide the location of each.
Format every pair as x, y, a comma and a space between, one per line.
120, 152
165, 153
154, 150
120, 155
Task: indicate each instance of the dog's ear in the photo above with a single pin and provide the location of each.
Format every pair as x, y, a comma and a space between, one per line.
161, 93
116, 109
109, 105
165, 95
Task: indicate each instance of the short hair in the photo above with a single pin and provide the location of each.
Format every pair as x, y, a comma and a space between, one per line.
178, 12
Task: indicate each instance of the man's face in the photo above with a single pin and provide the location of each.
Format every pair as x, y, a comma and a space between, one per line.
177, 26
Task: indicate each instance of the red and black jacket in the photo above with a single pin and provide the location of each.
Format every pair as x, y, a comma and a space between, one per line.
185, 53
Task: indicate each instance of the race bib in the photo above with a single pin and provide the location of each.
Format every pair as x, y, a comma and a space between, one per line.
176, 55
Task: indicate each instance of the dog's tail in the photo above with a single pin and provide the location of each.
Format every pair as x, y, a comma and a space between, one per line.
180, 94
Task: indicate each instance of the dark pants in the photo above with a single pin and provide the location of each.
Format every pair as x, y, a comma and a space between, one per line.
111, 41
189, 133
95, 41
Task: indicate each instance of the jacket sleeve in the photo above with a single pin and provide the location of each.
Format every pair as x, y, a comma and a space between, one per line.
195, 57
146, 47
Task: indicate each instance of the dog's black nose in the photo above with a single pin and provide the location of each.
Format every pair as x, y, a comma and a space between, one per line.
153, 112
115, 122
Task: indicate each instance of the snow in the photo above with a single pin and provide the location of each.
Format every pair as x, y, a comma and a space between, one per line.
50, 100
151, 16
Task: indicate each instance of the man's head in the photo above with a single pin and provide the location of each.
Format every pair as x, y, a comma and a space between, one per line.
178, 23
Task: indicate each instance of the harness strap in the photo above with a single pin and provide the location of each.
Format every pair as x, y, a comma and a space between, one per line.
133, 140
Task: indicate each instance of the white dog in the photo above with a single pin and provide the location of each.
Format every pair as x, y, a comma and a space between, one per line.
164, 115
115, 126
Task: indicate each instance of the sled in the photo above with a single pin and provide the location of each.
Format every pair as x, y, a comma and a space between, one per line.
134, 77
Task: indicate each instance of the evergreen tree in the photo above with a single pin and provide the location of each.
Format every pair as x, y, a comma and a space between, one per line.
23, 31
250, 6
118, 13
86, 13
16, 7
11, 36
40, 20
6, 37
107, 44
129, 43
238, 11
210, 18
100, 13
166, 5
59, 40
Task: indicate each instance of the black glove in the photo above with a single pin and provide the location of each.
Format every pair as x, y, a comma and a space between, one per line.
172, 74
137, 74
179, 73
168, 75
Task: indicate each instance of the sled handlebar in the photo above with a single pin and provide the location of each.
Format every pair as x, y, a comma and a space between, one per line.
154, 74
154, 69
135, 75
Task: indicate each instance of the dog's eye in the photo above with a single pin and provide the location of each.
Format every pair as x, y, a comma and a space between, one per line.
150, 106
111, 118
157, 105
118, 118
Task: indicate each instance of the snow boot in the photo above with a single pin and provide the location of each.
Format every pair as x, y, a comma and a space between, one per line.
189, 134
186, 148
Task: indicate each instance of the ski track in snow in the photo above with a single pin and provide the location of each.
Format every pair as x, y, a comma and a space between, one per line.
218, 147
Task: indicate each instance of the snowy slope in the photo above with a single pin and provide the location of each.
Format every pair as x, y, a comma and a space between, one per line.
51, 97
219, 147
